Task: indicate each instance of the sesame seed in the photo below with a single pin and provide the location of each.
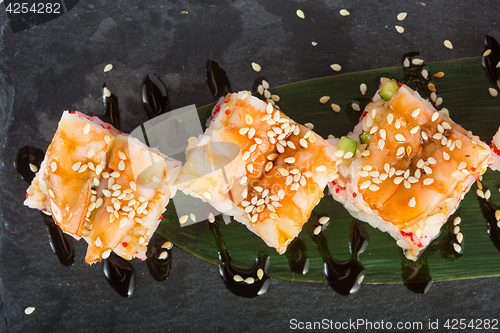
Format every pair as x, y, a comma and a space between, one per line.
76, 166
431, 160
324, 219
439, 74
335, 107
383, 134
400, 137
437, 136
33, 168
406, 62
401, 16
183, 219
399, 29
336, 67
256, 67
349, 154
497, 215
457, 247
121, 165
449, 45
425, 73
251, 132
86, 129
414, 129
281, 194
435, 116
344, 12
415, 113
321, 168
428, 181
446, 156
365, 184
480, 193
412, 202
248, 119
417, 61
290, 160
53, 166
29, 310
303, 142
274, 216
324, 99
276, 116
295, 186
462, 165
283, 171
381, 143
269, 166
400, 151
243, 130
98, 242
355, 107
317, 230
300, 14
390, 118
439, 101
83, 168
487, 194
246, 156
260, 273
493, 92
116, 174
398, 180
457, 220
373, 187
362, 88
250, 168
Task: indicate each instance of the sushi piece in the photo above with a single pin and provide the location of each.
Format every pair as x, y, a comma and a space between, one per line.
406, 167
273, 179
104, 186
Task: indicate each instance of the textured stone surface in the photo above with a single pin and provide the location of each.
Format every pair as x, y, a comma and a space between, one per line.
59, 65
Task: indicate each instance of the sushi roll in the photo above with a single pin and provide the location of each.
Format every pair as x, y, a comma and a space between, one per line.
273, 178
104, 186
405, 167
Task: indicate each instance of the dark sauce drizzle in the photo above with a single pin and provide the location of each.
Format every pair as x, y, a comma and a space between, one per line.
159, 268
156, 102
241, 282
492, 42
61, 244
111, 113
217, 79
120, 275
416, 274
296, 254
345, 277
25, 156
488, 209
154, 94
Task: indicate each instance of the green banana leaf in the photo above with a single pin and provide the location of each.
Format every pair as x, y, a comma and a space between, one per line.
464, 89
